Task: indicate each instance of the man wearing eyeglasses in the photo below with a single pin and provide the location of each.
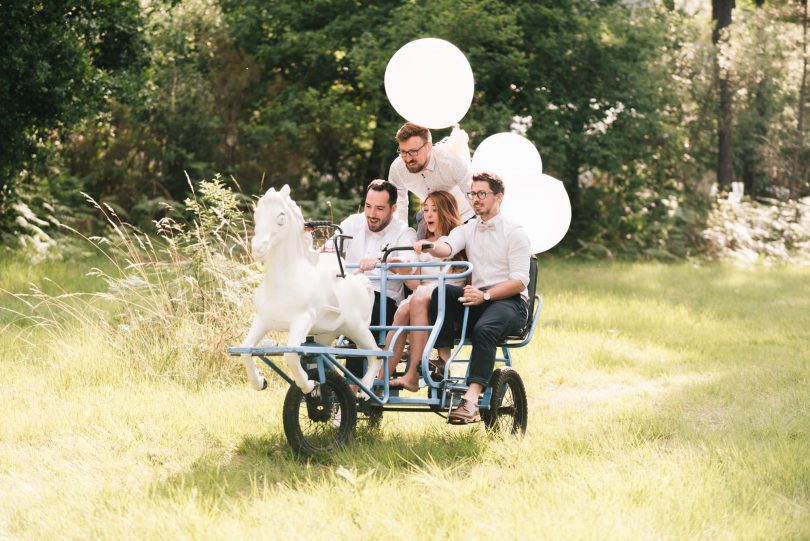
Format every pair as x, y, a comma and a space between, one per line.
422, 168
499, 250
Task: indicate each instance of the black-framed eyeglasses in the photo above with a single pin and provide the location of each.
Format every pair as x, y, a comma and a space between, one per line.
411, 153
479, 195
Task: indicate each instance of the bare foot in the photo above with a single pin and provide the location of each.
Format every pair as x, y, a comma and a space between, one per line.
402, 383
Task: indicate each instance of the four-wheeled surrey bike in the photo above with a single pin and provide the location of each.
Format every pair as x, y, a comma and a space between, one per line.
325, 419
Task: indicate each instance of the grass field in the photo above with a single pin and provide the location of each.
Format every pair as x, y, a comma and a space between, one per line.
665, 402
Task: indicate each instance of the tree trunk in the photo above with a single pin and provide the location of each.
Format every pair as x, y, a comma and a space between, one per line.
721, 15
803, 87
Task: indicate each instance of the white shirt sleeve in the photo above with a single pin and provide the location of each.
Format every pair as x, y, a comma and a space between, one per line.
456, 239
407, 238
402, 191
520, 251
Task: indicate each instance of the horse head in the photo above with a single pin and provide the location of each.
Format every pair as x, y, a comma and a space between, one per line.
277, 219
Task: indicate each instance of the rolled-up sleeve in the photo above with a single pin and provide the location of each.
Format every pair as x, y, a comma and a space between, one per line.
520, 252
456, 239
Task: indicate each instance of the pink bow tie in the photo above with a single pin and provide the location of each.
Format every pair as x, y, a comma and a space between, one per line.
485, 226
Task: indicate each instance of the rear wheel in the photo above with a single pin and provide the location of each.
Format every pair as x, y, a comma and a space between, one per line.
323, 420
508, 412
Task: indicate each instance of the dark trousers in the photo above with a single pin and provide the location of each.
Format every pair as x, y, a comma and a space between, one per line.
356, 364
488, 324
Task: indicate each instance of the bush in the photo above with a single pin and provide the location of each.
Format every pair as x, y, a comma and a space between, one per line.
768, 231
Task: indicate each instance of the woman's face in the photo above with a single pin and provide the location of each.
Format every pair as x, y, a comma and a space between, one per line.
430, 216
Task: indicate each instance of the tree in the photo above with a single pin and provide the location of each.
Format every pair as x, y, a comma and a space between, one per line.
803, 86
53, 60
721, 16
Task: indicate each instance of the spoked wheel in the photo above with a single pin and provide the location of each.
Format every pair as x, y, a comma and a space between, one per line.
372, 418
323, 420
509, 412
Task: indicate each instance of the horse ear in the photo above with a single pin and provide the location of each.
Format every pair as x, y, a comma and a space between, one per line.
285, 190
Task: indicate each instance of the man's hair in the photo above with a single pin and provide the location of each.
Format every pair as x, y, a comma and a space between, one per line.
380, 185
409, 129
446, 210
494, 181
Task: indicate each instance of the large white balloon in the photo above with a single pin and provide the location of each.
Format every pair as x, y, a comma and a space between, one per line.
542, 206
509, 155
538, 202
429, 82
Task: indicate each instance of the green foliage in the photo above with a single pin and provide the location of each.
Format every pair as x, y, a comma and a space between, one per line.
770, 155
53, 65
619, 98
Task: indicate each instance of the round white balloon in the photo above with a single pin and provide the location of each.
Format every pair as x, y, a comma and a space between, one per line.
509, 155
541, 205
538, 202
429, 82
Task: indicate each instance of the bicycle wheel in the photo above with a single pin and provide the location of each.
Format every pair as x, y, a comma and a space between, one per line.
323, 420
508, 411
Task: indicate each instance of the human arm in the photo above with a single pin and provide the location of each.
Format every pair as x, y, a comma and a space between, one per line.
402, 192
518, 254
504, 290
439, 248
412, 284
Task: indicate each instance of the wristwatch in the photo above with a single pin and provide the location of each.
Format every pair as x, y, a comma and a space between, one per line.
487, 296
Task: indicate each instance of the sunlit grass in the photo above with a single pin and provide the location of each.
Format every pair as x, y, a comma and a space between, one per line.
665, 402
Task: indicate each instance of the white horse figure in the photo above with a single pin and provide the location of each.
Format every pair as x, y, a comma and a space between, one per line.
301, 296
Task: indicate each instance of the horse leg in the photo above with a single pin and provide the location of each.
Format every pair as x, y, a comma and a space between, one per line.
366, 340
298, 332
256, 332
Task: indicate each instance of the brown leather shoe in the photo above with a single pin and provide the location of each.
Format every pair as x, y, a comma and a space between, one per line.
465, 413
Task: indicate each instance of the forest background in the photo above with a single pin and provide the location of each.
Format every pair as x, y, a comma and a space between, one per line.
649, 112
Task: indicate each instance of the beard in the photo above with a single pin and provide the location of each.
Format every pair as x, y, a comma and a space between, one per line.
378, 226
414, 166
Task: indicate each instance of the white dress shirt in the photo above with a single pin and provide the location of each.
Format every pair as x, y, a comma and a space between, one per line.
365, 243
498, 254
446, 171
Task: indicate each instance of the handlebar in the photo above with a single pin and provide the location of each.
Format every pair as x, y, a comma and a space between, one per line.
312, 224
426, 246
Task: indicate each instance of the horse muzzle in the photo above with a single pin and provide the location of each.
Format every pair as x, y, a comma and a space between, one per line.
260, 247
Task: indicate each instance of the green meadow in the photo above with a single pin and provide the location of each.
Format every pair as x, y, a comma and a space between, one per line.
665, 402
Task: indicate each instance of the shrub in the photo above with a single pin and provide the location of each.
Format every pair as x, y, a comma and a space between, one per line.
769, 231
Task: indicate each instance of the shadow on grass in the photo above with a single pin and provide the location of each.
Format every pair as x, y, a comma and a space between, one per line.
261, 463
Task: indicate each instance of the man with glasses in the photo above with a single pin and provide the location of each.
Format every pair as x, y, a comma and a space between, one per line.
372, 231
499, 250
422, 168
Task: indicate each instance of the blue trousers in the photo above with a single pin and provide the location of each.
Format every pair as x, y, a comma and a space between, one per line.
488, 324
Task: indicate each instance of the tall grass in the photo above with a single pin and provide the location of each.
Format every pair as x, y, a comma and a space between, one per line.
171, 300
665, 402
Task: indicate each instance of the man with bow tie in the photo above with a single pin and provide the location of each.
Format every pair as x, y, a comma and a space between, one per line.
499, 251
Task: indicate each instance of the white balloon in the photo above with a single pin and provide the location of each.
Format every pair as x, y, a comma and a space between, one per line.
538, 202
509, 155
541, 205
429, 82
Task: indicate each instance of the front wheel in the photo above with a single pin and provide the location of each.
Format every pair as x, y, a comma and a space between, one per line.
323, 420
508, 408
